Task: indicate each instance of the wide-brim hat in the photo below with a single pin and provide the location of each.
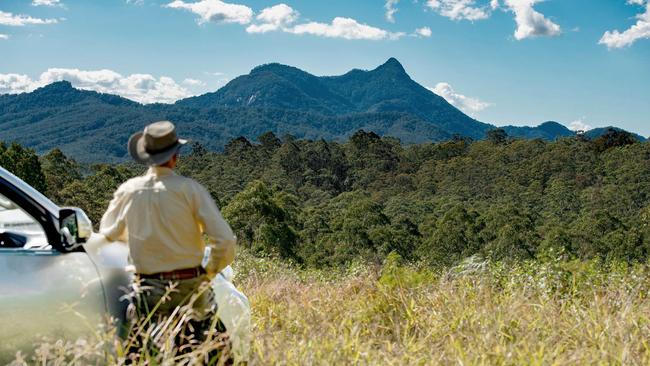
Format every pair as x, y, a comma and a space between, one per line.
156, 144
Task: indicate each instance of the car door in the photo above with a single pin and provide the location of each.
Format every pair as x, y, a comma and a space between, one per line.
44, 292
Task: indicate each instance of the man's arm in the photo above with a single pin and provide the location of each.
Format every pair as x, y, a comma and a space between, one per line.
113, 223
221, 239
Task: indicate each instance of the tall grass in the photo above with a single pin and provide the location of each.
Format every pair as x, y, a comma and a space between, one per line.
551, 313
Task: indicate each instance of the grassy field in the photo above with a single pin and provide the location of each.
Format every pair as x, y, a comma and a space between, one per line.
554, 313
476, 314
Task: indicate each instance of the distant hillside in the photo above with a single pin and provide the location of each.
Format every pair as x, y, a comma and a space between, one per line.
92, 126
597, 132
95, 127
547, 131
388, 88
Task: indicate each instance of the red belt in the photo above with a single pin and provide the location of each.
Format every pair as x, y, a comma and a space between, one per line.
179, 274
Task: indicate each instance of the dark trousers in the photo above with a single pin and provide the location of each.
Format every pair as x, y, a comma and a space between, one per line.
183, 311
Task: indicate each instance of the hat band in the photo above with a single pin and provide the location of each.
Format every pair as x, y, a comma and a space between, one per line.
158, 151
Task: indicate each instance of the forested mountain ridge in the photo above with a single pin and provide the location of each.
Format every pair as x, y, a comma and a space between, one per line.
94, 127
549, 130
388, 88
597, 132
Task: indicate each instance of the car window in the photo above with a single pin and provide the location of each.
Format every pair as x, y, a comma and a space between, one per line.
18, 229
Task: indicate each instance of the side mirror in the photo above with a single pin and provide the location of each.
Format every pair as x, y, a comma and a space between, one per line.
74, 226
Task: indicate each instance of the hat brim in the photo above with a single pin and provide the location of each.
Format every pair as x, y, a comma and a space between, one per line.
140, 155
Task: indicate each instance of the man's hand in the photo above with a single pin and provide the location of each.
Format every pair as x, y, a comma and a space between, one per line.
210, 273
214, 262
217, 257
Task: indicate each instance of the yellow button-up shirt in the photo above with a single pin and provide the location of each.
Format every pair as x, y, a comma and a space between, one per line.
163, 216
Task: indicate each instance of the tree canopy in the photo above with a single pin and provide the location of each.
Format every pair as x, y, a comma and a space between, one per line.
326, 203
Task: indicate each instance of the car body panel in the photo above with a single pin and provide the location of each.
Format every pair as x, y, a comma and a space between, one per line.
44, 293
234, 310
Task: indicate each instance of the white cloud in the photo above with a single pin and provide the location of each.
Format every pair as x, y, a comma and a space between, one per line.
215, 11
579, 125
346, 28
640, 30
282, 17
15, 83
459, 9
278, 14
18, 20
4, 36
468, 105
143, 88
274, 18
47, 3
193, 82
531, 23
391, 9
423, 32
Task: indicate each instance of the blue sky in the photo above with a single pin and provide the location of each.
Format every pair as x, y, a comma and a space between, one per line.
521, 62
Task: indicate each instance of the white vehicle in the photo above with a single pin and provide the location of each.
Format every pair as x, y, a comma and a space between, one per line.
58, 279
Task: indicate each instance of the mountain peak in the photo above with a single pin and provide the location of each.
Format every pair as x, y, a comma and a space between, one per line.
393, 65
552, 125
62, 92
62, 85
555, 128
269, 66
274, 67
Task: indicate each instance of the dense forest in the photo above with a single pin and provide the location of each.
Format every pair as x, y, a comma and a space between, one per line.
320, 203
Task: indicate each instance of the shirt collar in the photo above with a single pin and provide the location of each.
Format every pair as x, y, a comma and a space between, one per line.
159, 171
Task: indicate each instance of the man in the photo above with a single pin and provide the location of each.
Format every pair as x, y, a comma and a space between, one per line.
163, 217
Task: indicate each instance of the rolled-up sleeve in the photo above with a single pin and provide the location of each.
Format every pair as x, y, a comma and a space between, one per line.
113, 223
221, 239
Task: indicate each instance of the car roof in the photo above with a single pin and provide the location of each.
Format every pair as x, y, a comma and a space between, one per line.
37, 196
